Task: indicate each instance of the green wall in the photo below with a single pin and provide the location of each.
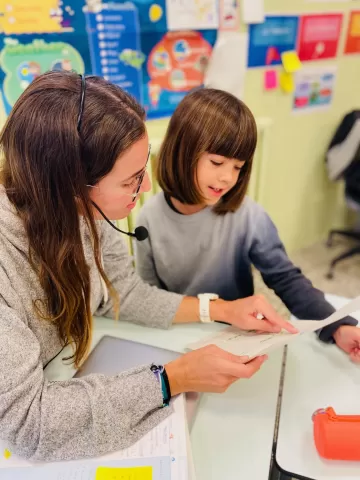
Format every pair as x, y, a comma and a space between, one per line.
297, 193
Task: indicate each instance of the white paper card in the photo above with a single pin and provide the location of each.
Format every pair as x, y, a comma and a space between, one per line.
251, 344
253, 11
192, 15
229, 55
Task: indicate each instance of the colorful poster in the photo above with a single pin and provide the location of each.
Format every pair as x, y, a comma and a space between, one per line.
319, 36
130, 46
314, 89
32, 16
269, 39
39, 36
352, 44
192, 14
176, 63
126, 42
114, 39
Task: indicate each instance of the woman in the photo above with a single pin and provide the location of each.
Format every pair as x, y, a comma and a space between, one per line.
74, 148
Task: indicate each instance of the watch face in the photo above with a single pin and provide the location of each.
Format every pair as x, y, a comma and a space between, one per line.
210, 296
213, 296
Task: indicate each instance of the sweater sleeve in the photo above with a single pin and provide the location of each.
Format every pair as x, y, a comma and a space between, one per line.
77, 418
268, 255
139, 302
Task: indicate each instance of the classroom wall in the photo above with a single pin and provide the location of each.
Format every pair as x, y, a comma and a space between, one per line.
302, 202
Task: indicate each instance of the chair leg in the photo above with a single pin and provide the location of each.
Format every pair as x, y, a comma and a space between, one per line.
345, 233
348, 254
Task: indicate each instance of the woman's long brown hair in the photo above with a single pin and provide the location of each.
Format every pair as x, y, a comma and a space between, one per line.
47, 168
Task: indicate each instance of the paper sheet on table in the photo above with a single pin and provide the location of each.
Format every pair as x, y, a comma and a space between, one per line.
164, 449
227, 67
251, 344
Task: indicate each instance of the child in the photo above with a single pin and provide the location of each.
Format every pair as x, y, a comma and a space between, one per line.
205, 234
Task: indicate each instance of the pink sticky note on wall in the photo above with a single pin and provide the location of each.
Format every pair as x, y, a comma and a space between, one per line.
271, 80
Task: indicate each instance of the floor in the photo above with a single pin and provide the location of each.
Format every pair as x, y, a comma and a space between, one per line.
314, 263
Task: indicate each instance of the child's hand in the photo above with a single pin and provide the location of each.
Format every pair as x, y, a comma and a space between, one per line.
252, 313
347, 337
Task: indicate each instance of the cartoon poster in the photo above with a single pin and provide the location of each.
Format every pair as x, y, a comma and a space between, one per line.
32, 16
39, 36
319, 36
352, 44
314, 89
269, 39
114, 39
176, 63
126, 42
157, 66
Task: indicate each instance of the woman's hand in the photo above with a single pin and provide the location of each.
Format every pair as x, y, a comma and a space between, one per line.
251, 313
209, 369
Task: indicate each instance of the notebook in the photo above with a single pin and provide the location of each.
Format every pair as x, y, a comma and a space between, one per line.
162, 454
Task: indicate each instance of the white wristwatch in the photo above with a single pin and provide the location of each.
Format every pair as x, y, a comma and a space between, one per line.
204, 306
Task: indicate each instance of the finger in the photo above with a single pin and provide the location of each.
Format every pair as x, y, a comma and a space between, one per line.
254, 366
273, 317
355, 357
230, 357
263, 325
245, 370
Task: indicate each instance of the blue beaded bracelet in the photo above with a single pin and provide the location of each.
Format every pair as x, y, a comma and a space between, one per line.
161, 375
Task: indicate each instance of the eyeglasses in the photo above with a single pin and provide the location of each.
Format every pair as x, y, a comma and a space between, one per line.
141, 177
79, 122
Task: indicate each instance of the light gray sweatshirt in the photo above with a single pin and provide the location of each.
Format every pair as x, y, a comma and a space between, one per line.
44, 420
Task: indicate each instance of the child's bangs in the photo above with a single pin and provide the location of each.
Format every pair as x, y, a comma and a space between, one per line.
231, 142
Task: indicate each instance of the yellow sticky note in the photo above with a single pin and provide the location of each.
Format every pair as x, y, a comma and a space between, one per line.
287, 82
291, 61
132, 473
7, 454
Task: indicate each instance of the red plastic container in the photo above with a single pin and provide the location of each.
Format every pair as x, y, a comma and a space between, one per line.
337, 437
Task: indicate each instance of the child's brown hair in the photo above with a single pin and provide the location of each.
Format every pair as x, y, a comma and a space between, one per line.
206, 121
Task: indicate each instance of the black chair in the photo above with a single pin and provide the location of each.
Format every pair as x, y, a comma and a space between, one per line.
343, 161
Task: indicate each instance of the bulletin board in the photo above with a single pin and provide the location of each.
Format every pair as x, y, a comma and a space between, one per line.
137, 45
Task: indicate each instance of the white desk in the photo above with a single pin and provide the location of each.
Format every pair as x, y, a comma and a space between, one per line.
316, 376
232, 436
